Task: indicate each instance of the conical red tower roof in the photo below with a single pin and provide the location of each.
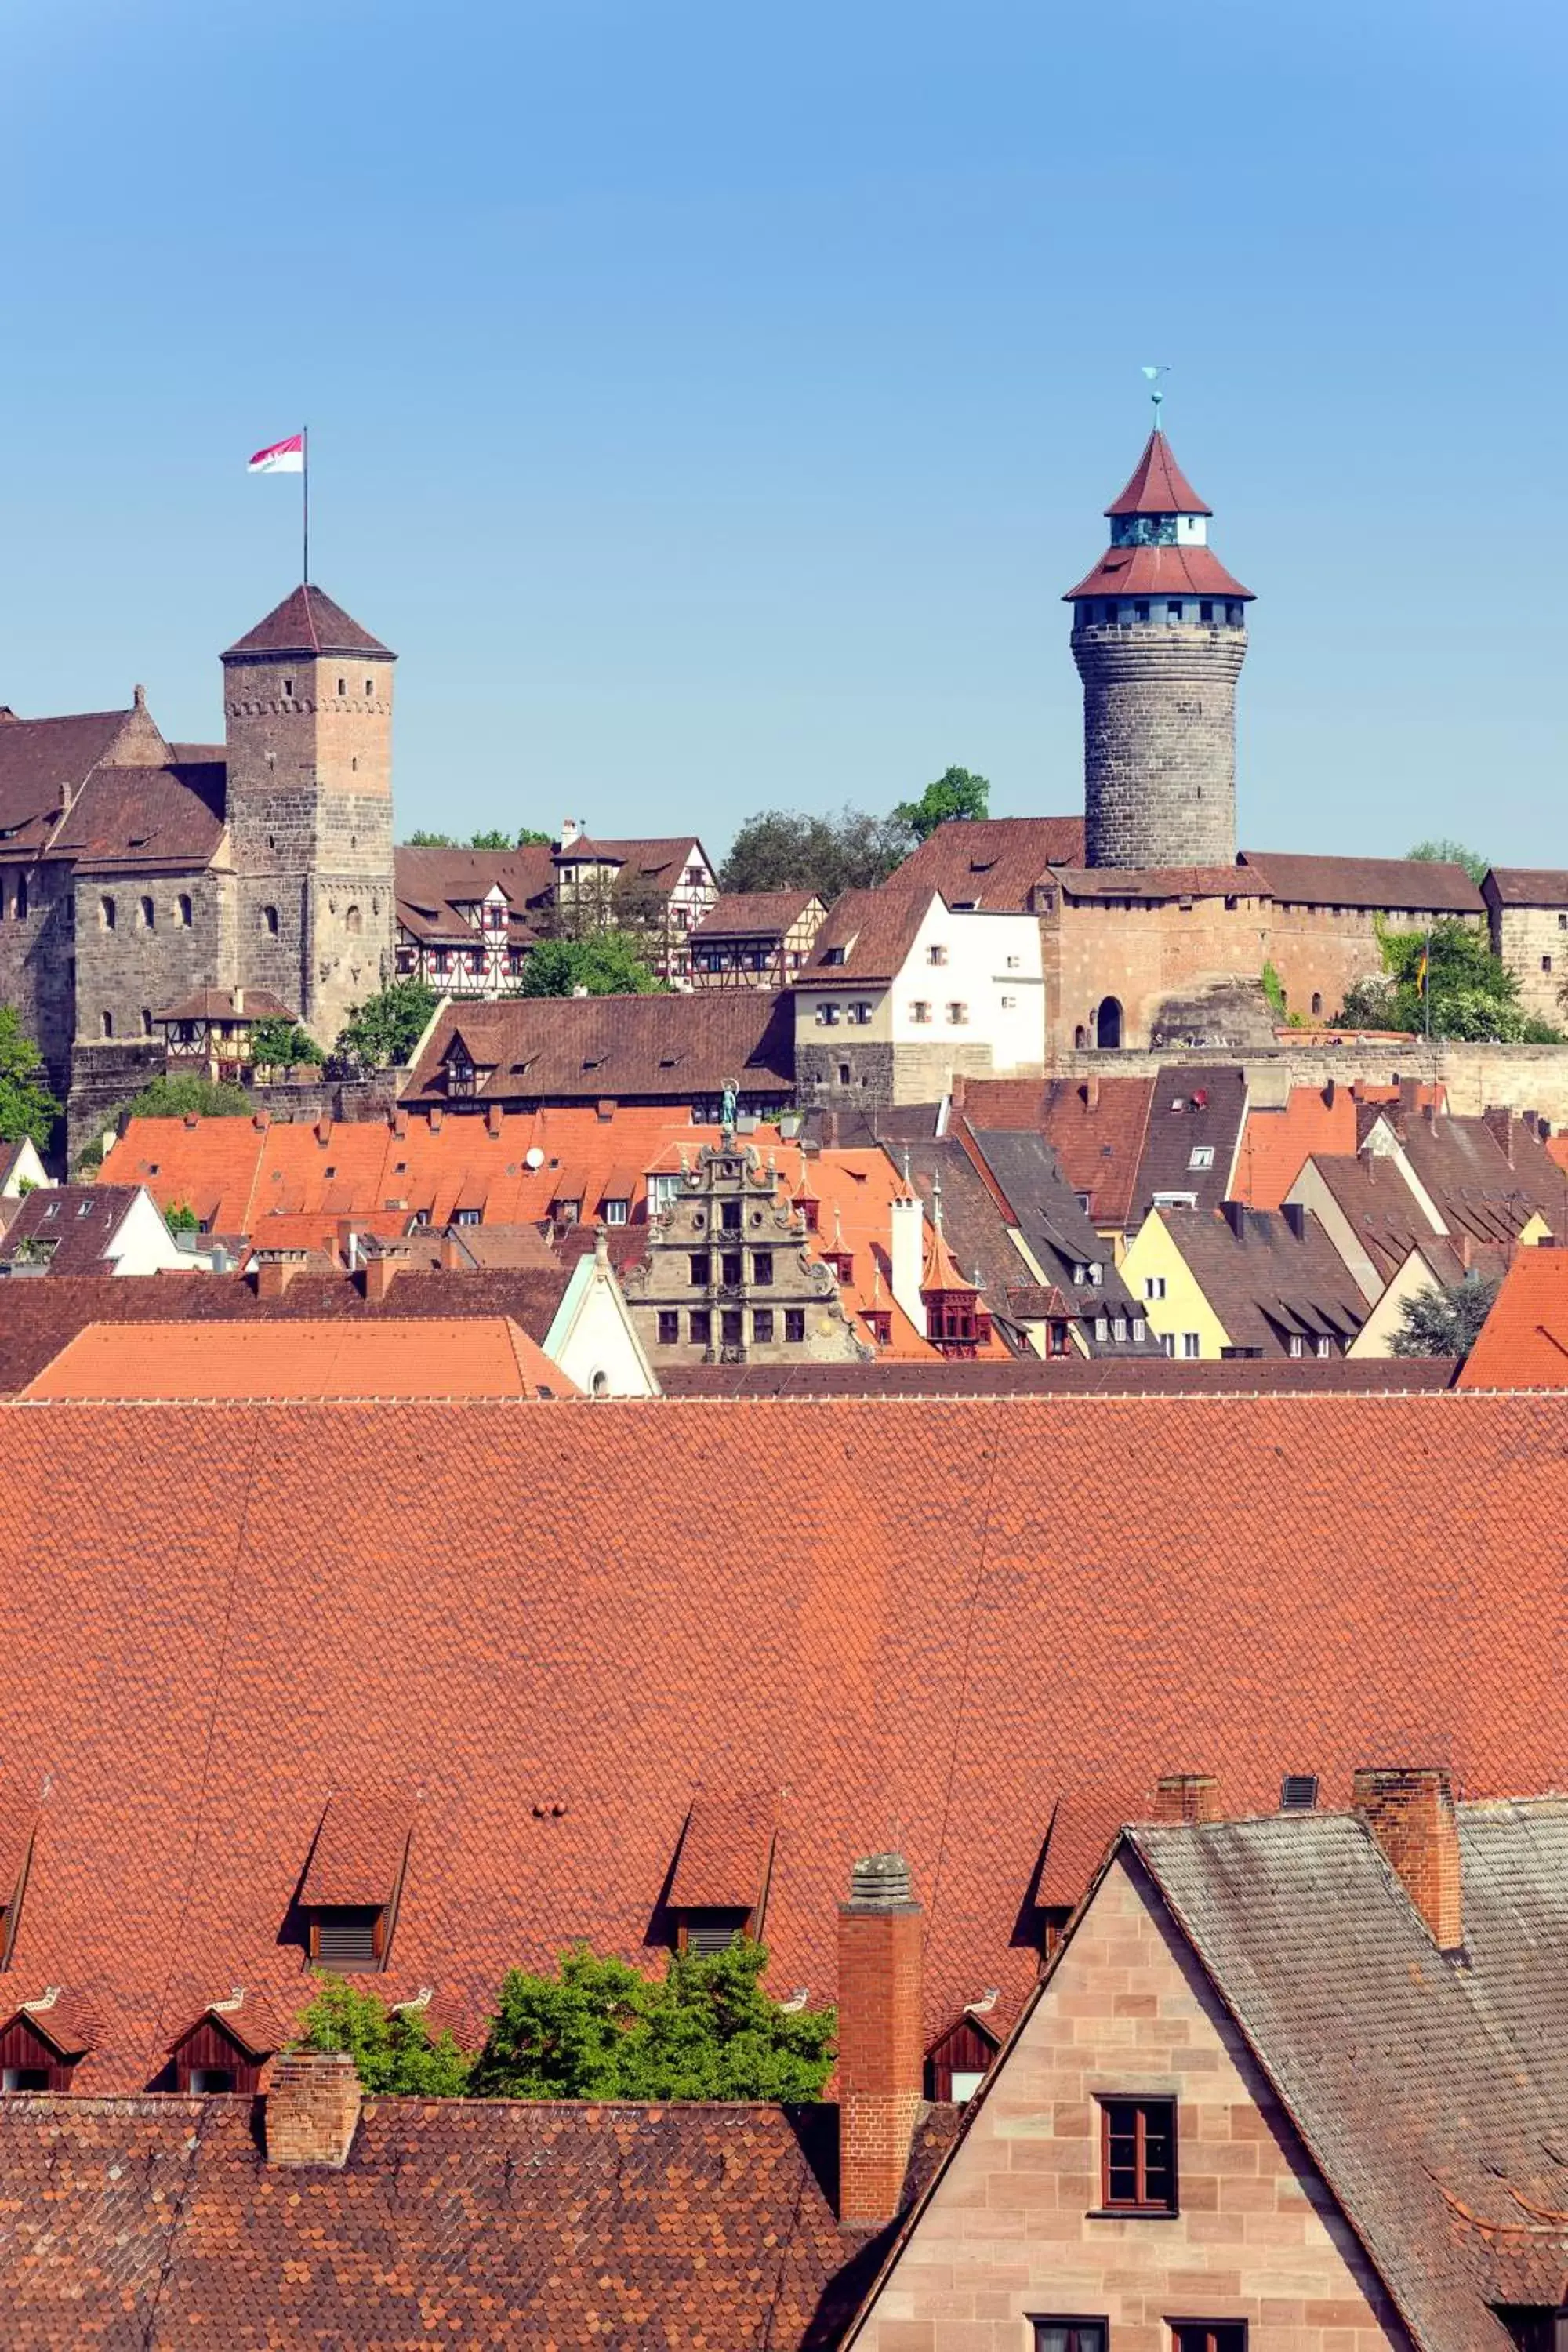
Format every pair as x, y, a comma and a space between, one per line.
1158, 484
942, 1271
307, 623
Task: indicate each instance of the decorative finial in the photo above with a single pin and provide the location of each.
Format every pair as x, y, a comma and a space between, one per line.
936, 1200
1156, 390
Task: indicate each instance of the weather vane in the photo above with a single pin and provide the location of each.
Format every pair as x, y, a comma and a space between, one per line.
1156, 391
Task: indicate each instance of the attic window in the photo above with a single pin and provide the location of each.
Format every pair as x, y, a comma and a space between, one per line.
348, 1936
352, 1888
1298, 1793
209, 2057
833, 955
1201, 1155
719, 1885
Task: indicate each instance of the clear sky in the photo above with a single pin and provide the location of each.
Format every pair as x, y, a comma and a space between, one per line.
710, 403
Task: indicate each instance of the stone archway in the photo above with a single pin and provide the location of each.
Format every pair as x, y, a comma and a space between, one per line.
1108, 1024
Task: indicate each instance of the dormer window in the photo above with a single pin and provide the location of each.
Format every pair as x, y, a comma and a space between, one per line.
226, 2047
719, 1886
43, 2042
834, 955
355, 1882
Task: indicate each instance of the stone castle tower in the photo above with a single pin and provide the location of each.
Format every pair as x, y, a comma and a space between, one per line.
308, 722
1159, 637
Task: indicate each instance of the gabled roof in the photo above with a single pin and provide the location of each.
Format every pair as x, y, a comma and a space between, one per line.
867, 937
288, 1357
37, 756
1527, 885
76, 1222
1161, 882
1194, 1108
1121, 1372
665, 1049
306, 624
1372, 1192
754, 914
437, 1595
1157, 485
1487, 1176
1266, 1281
1403, 884
1524, 1343
1058, 1234
525, 2222
217, 1005
993, 862
1276, 1142
432, 885
145, 819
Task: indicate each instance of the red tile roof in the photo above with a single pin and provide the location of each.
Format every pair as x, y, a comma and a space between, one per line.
1277, 1143
37, 757
217, 1005
434, 884
1161, 882
1403, 884
992, 862
145, 820
360, 1848
1097, 1127
1157, 484
241, 1609
1127, 1375
514, 2224
288, 1357
1523, 1342
665, 1049
754, 914
867, 937
725, 1848
307, 623
1160, 571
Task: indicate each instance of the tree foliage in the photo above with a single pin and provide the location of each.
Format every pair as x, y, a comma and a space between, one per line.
493, 837
783, 849
1445, 852
606, 963
392, 2051
600, 2030
383, 1032
181, 1218
1472, 995
1444, 1320
956, 793
281, 1045
26, 1105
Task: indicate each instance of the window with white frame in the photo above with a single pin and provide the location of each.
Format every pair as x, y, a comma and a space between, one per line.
1192, 1343
1154, 1286
827, 1016
1201, 1155
958, 1015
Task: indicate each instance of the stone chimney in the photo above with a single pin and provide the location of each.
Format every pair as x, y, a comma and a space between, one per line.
1187, 1797
311, 2109
570, 831
881, 2055
492, 1120
1409, 1809
906, 1257
1500, 1119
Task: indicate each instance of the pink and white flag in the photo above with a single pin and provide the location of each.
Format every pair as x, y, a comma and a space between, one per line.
282, 458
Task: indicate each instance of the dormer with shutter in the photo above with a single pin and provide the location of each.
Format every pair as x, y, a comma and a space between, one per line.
719, 1887
226, 2047
355, 1882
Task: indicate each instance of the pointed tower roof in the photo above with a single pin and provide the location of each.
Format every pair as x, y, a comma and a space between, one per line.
308, 622
1158, 484
943, 1271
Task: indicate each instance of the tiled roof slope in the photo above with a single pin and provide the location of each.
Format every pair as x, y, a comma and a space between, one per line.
1097, 1127
1191, 1110
76, 1221
1487, 1176
1264, 1281
1160, 571
1124, 1374
1405, 885
515, 2224
1530, 886
586, 1048
1277, 1142
1523, 1342
867, 936
1157, 484
753, 914
883, 1611
1429, 2094
1043, 1207
308, 622
217, 1005
145, 820
38, 1319
475, 1356
1159, 882
1382, 1213
37, 757
992, 862
433, 884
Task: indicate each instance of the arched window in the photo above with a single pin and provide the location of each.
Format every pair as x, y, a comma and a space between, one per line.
146, 1022
185, 907
21, 897
354, 921
268, 921
1079, 1038
109, 1024
1108, 1024
1317, 1002
149, 914
106, 917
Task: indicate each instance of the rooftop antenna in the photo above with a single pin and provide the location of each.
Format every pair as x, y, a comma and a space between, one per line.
1156, 389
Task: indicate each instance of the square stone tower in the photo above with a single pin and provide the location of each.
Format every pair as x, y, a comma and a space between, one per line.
307, 721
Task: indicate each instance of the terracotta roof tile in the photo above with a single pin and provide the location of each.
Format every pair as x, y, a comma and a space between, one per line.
1523, 1342
1405, 885
993, 863
1157, 484
217, 1005
308, 622
725, 1848
145, 820
1160, 571
753, 914
74, 1222
358, 1854
288, 1357
867, 936
1528, 885
1127, 1373
666, 1050
1277, 1142
1160, 882
37, 757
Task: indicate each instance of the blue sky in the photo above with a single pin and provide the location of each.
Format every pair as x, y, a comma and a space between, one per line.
711, 404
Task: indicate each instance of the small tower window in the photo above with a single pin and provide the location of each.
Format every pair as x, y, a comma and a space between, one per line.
369, 687
106, 914
342, 685
183, 904
146, 1022
1205, 612
354, 921
1172, 612
109, 1024
1232, 615
1317, 1001
289, 690
149, 914
268, 921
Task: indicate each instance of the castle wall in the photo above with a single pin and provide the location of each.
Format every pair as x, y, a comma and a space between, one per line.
128, 970
1533, 944
1159, 732
37, 951
1478, 1077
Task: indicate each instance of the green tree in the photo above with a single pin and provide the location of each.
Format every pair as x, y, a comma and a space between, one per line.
383, 1032
280, 1044
956, 793
600, 2030
1444, 852
1471, 994
493, 837
26, 1105
393, 2052
606, 965
782, 849
1444, 1320
181, 1218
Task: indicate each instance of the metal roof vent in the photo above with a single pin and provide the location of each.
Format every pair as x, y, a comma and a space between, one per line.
881, 1880
1299, 1793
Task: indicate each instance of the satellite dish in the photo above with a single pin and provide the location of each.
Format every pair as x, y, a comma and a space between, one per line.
533, 1158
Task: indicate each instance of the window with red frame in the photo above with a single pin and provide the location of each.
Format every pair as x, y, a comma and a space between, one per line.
1208, 2335
1138, 2156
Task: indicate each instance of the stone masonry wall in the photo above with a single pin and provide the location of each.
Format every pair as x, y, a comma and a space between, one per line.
881, 1075
1159, 743
1013, 2230
168, 937
37, 949
1533, 944
1478, 1077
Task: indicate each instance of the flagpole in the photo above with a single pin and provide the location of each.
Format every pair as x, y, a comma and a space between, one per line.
305, 502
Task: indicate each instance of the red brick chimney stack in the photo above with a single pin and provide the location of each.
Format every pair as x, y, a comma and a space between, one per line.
1187, 1797
881, 2055
1409, 1809
379, 1273
311, 2109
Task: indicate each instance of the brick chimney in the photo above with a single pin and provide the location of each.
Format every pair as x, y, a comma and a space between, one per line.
1409, 1809
881, 2057
311, 2108
1500, 1119
1187, 1797
273, 1275
380, 1273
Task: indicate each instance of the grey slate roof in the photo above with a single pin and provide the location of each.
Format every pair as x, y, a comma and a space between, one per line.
1428, 2090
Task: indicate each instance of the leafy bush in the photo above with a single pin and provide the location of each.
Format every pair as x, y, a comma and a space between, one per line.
393, 2053
281, 1045
1444, 1320
608, 964
383, 1031
26, 1105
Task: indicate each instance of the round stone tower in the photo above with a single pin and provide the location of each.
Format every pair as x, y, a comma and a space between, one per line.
1159, 637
